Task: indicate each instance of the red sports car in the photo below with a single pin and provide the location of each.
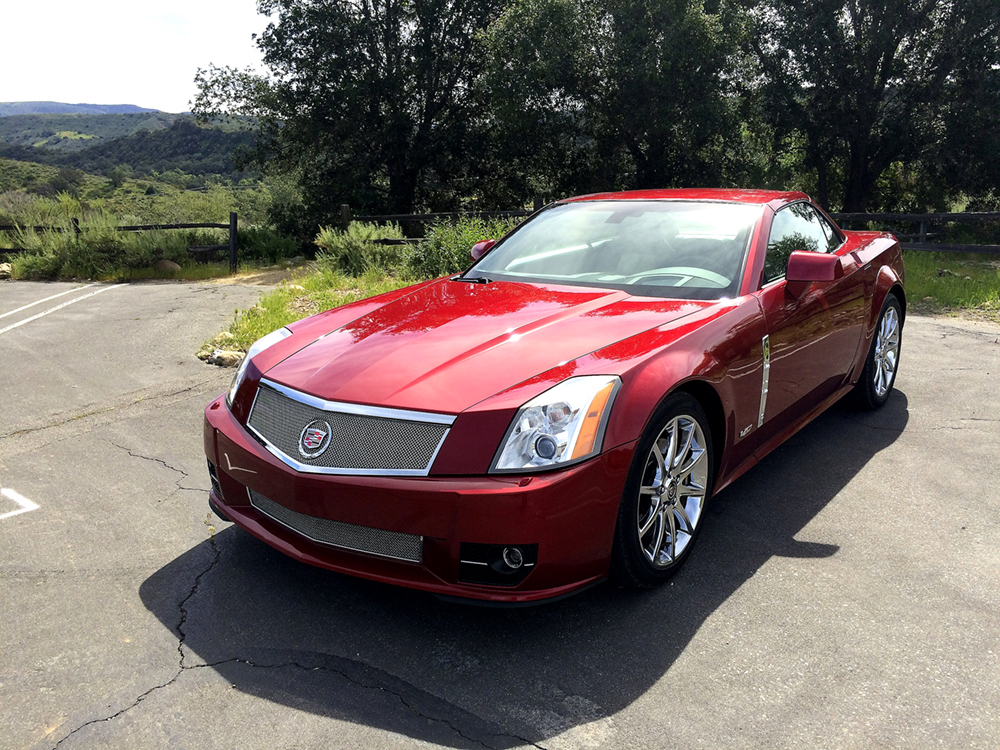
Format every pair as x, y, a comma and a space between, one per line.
563, 410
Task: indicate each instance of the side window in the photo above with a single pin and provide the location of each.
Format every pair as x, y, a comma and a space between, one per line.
795, 227
832, 238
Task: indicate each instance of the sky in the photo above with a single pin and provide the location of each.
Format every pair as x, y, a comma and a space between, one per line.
139, 52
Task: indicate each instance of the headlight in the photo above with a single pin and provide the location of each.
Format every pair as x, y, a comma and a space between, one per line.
260, 345
563, 425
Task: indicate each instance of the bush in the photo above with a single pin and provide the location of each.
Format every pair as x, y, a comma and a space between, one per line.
354, 251
446, 248
265, 244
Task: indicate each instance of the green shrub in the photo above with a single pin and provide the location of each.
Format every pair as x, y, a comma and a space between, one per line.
354, 251
265, 244
446, 247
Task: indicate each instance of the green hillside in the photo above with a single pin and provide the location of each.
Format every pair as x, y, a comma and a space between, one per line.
139, 145
73, 132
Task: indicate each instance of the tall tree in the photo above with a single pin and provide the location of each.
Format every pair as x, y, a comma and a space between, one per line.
869, 83
593, 94
367, 100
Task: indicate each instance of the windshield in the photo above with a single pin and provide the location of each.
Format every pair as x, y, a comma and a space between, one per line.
686, 249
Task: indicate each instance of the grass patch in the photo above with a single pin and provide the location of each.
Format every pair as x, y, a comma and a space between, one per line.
948, 282
307, 295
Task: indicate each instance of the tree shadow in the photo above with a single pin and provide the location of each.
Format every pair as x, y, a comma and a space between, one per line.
465, 676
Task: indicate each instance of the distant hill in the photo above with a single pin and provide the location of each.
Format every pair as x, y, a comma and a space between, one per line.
53, 108
182, 145
74, 132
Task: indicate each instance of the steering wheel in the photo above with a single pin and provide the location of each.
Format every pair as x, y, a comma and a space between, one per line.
687, 272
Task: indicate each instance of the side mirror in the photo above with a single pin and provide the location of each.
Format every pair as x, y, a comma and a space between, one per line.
808, 267
804, 268
480, 248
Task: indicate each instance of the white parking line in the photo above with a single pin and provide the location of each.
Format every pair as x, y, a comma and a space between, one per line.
25, 503
32, 304
58, 307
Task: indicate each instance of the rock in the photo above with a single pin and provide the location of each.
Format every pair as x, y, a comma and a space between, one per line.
945, 272
224, 338
296, 288
5, 270
167, 265
927, 299
225, 358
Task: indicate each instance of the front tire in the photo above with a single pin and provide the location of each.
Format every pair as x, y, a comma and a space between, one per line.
879, 374
664, 499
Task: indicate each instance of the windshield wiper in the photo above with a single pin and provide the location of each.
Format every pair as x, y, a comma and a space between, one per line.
472, 279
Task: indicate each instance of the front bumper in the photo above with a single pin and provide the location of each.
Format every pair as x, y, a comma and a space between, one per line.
570, 515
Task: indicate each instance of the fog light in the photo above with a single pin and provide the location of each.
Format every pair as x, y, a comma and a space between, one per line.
513, 558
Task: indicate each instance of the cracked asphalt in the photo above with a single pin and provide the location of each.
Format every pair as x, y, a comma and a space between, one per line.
844, 593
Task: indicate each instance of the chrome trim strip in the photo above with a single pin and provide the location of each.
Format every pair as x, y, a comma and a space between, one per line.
368, 411
338, 546
765, 376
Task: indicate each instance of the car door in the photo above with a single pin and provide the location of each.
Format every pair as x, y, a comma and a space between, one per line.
813, 332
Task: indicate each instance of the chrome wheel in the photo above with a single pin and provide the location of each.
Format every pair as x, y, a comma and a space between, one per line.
672, 491
886, 352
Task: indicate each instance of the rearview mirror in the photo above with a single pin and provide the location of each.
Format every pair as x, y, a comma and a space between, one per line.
480, 248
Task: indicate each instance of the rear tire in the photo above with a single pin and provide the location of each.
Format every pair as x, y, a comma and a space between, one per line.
882, 363
664, 499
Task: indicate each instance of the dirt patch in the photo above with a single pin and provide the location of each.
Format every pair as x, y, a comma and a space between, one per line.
270, 276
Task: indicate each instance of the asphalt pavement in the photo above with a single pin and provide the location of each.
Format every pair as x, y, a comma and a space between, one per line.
844, 593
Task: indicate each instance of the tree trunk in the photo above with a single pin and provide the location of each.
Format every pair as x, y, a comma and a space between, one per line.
857, 190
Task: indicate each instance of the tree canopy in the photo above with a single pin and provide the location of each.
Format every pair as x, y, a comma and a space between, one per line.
393, 105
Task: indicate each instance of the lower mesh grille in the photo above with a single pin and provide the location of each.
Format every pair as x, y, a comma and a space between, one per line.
392, 544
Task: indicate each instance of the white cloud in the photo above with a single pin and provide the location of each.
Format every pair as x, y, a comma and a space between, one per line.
122, 51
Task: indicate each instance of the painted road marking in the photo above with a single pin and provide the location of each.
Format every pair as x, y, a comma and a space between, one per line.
25, 503
58, 307
32, 304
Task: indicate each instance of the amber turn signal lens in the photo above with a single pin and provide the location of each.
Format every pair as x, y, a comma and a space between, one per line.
588, 431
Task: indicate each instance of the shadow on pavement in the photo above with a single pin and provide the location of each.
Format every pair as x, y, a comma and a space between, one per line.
460, 676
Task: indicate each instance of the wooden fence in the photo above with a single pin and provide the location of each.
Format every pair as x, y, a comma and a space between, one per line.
200, 252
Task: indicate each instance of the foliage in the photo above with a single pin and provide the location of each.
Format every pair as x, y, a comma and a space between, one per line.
354, 251
868, 83
587, 95
446, 248
378, 120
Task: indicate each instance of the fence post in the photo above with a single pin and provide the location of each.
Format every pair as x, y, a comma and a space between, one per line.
538, 203
923, 231
345, 216
232, 242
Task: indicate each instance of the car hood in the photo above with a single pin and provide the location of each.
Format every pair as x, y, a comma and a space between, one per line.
448, 345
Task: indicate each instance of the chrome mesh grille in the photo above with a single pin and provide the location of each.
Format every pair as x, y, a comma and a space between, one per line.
392, 544
358, 442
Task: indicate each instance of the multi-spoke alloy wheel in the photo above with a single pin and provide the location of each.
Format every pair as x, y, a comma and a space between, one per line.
886, 351
665, 496
672, 493
883, 358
